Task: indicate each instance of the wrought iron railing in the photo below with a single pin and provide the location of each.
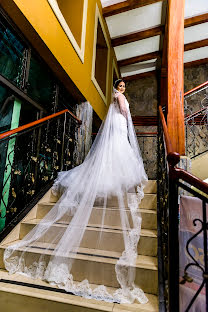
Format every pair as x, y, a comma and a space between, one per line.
31, 156
148, 147
196, 120
171, 182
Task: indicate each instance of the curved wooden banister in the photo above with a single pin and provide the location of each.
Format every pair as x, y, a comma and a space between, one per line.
37, 122
165, 129
173, 158
191, 179
196, 88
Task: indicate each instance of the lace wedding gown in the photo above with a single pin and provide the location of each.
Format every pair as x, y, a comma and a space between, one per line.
112, 170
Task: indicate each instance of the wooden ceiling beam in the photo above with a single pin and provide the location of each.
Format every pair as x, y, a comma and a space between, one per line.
139, 35
153, 72
196, 45
196, 63
154, 31
139, 58
140, 76
196, 20
157, 54
126, 6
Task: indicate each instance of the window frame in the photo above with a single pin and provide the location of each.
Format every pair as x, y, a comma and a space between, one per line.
116, 70
99, 18
79, 50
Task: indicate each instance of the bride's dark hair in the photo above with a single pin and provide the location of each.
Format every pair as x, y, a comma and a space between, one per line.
116, 83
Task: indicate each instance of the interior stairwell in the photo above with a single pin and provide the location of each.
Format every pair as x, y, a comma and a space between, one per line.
21, 293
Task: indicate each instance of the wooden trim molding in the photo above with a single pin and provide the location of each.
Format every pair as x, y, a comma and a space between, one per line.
126, 6
79, 49
139, 35
196, 20
145, 120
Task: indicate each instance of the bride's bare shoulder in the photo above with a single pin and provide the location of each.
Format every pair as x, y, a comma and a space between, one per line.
118, 95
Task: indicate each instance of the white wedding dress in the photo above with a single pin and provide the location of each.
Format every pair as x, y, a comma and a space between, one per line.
112, 170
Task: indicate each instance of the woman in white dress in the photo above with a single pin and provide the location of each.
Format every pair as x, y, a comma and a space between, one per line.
113, 171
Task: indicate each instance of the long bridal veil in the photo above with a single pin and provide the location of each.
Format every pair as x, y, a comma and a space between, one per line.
68, 244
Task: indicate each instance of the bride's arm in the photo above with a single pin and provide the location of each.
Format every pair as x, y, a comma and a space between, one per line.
122, 105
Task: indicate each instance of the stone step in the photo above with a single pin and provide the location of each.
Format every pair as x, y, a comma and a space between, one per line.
98, 266
31, 295
148, 202
151, 187
110, 240
112, 216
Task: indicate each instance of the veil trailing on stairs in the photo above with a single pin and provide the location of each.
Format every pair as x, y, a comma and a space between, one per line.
67, 246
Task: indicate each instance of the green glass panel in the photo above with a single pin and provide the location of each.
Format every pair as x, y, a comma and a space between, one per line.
40, 84
11, 54
9, 163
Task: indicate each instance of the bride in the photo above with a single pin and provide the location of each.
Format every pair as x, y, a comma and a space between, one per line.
112, 174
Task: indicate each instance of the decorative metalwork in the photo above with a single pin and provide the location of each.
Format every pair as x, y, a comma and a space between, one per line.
163, 213
148, 147
31, 160
168, 214
196, 122
194, 261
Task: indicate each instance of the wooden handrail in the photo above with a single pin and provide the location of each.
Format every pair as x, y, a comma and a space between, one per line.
196, 113
165, 129
173, 158
37, 122
196, 88
191, 179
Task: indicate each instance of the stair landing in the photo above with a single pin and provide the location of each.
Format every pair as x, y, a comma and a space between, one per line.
18, 292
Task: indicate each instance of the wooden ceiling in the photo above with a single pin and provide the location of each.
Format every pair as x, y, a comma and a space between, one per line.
130, 42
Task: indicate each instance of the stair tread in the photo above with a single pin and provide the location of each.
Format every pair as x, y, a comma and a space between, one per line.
78, 301
97, 227
145, 262
146, 210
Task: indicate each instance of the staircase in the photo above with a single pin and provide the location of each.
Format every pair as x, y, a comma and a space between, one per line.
23, 294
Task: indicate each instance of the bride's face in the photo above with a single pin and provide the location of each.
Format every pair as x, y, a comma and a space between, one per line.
121, 87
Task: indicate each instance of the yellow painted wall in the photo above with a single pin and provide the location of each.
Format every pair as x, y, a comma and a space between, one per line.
42, 18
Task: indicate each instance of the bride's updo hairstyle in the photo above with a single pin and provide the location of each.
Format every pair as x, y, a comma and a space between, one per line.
116, 83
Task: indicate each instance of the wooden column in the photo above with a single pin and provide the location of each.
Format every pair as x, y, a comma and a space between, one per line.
175, 75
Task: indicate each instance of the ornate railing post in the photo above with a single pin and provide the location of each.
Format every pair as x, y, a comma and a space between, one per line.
173, 239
